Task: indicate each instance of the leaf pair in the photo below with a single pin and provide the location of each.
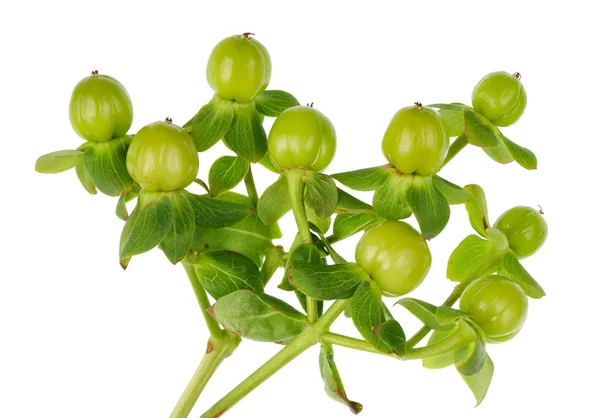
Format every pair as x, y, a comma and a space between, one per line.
320, 195
98, 165
239, 125
399, 195
170, 220
479, 131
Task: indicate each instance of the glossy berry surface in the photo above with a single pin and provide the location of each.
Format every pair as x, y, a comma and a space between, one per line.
500, 97
525, 228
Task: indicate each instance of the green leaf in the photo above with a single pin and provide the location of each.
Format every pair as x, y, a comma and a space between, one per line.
202, 184
223, 272
445, 315
392, 334
86, 180
326, 282
317, 224
478, 130
349, 204
480, 382
524, 157
321, 193
258, 316
214, 213
475, 356
180, 238
148, 225
365, 179
246, 135
389, 200
454, 118
250, 237
226, 173
499, 153
454, 194
424, 311
211, 123
58, 161
473, 258
515, 271
121, 209
105, 162
429, 206
367, 311
477, 209
349, 224
444, 360
268, 164
449, 106
274, 202
498, 239
333, 382
273, 102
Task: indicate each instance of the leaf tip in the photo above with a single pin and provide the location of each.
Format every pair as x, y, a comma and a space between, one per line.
124, 262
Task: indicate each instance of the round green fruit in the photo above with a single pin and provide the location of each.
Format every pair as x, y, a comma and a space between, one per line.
500, 97
525, 228
239, 68
416, 140
162, 157
100, 108
395, 256
498, 306
302, 137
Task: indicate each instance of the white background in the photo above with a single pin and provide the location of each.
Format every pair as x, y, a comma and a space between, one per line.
81, 338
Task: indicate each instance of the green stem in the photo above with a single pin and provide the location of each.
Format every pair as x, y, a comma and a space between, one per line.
335, 310
456, 341
306, 339
213, 327
354, 343
251, 186
459, 143
296, 190
271, 264
216, 352
337, 259
449, 302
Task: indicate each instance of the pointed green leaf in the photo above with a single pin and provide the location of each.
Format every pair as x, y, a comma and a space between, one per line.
268, 164
349, 224
429, 206
367, 311
274, 202
333, 382
316, 223
424, 311
58, 161
349, 204
211, 123
84, 177
214, 213
454, 118
478, 130
180, 238
273, 102
477, 209
392, 334
105, 162
389, 200
498, 239
202, 184
524, 157
515, 271
224, 272
366, 179
326, 282
444, 360
226, 173
148, 225
258, 316
480, 381
121, 209
474, 359
473, 258
499, 153
246, 135
445, 315
321, 193
455, 195
449, 106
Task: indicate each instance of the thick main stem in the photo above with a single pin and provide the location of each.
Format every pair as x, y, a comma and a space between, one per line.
213, 327
296, 190
216, 352
251, 186
450, 301
308, 338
